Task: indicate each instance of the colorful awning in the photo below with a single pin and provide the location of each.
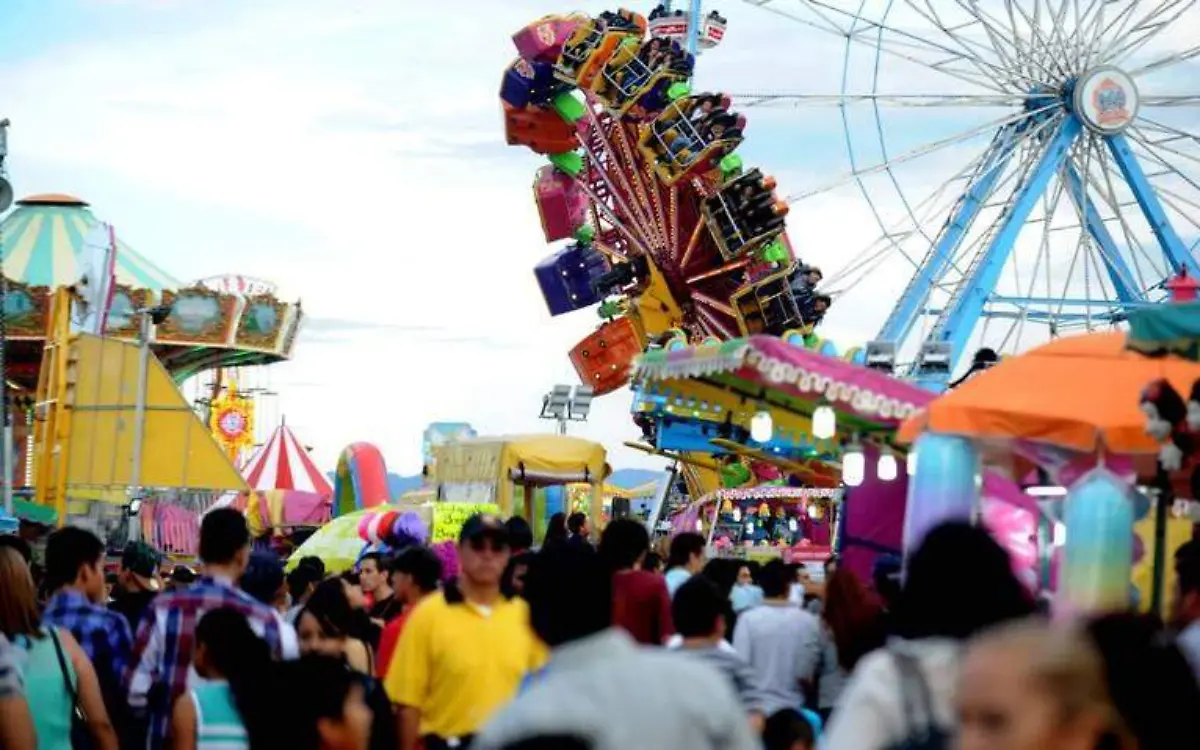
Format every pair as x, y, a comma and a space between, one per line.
41, 243
791, 374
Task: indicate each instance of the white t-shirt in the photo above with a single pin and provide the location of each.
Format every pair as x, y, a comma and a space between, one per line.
870, 714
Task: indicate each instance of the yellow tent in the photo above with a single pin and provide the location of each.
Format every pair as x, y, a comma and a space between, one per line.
486, 469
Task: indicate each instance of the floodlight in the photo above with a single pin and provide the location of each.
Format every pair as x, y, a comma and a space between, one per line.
555, 403
581, 402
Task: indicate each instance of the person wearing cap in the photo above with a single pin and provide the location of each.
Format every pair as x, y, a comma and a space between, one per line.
137, 583
465, 650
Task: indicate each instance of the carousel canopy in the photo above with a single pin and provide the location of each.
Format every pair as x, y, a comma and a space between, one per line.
283, 463
41, 243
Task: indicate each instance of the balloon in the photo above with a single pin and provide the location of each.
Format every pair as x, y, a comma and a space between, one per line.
409, 529
373, 528
386, 520
362, 526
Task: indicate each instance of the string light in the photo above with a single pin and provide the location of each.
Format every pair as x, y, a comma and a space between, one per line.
854, 466
824, 422
887, 468
762, 427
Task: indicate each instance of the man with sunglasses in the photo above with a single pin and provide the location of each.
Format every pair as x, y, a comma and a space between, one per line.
465, 650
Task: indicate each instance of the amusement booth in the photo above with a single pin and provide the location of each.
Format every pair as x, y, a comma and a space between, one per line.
775, 441
502, 470
1085, 481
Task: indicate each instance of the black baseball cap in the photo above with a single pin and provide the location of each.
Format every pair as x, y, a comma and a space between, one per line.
483, 526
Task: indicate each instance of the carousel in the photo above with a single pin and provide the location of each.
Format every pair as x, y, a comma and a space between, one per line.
48, 244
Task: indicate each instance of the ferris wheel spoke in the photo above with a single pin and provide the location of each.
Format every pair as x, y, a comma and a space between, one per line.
1107, 190
1147, 28
899, 49
919, 152
1041, 49
1166, 62
785, 99
968, 46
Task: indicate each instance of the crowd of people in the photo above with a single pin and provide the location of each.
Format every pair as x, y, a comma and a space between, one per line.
574, 645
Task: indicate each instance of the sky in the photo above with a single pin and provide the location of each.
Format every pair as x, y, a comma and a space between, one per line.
353, 154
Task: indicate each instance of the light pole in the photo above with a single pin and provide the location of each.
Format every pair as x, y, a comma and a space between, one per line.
6, 462
148, 318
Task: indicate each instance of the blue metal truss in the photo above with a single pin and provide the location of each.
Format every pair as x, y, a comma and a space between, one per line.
957, 320
694, 13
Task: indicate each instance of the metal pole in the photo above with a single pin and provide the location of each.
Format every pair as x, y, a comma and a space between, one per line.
139, 421
6, 462
693, 37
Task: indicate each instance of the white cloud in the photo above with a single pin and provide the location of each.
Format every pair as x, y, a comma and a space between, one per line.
353, 152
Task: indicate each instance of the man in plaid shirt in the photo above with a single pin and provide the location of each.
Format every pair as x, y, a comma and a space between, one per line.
75, 573
162, 654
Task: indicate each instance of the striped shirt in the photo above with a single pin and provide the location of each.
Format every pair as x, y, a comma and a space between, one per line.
218, 724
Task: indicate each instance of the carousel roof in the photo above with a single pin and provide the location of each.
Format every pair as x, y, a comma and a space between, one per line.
41, 243
283, 463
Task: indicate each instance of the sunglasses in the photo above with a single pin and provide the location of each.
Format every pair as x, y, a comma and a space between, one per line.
487, 541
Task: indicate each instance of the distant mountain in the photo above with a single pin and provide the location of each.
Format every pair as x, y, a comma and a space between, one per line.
628, 479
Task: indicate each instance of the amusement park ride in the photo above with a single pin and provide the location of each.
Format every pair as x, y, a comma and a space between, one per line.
1065, 218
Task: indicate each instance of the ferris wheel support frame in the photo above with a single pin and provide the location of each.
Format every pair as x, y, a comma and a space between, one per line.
958, 319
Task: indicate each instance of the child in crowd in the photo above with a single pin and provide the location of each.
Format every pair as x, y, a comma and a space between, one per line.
789, 730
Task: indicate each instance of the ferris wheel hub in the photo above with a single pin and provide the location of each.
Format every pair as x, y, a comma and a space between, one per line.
1106, 100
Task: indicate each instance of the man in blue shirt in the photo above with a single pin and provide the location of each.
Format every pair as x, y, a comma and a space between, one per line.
75, 573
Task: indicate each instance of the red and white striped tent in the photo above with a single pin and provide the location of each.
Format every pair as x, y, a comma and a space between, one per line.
282, 463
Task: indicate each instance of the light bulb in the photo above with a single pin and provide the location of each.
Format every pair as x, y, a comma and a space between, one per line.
854, 467
824, 422
737, 515
910, 462
1060, 534
762, 427
887, 469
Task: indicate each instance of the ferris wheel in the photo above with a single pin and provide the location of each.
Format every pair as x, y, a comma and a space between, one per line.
1064, 147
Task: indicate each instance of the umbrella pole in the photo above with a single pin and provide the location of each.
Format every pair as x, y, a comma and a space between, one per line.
1165, 498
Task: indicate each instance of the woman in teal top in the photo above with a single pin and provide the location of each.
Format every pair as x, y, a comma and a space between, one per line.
234, 663
46, 675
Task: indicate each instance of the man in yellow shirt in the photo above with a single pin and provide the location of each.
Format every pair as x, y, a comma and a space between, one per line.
464, 651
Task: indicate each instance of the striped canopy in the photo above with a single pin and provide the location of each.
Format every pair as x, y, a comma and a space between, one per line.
283, 463
41, 243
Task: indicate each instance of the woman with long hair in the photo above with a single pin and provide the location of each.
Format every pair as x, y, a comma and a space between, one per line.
327, 625
959, 583
641, 604
228, 711
852, 626
60, 682
556, 530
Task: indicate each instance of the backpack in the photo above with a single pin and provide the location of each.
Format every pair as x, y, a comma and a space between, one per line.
921, 731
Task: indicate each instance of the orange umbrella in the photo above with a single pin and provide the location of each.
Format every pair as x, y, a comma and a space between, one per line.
1080, 392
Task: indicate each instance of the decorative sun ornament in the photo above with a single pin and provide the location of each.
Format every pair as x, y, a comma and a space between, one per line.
232, 422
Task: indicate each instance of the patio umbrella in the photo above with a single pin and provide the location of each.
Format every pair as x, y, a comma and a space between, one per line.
1080, 393
337, 543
